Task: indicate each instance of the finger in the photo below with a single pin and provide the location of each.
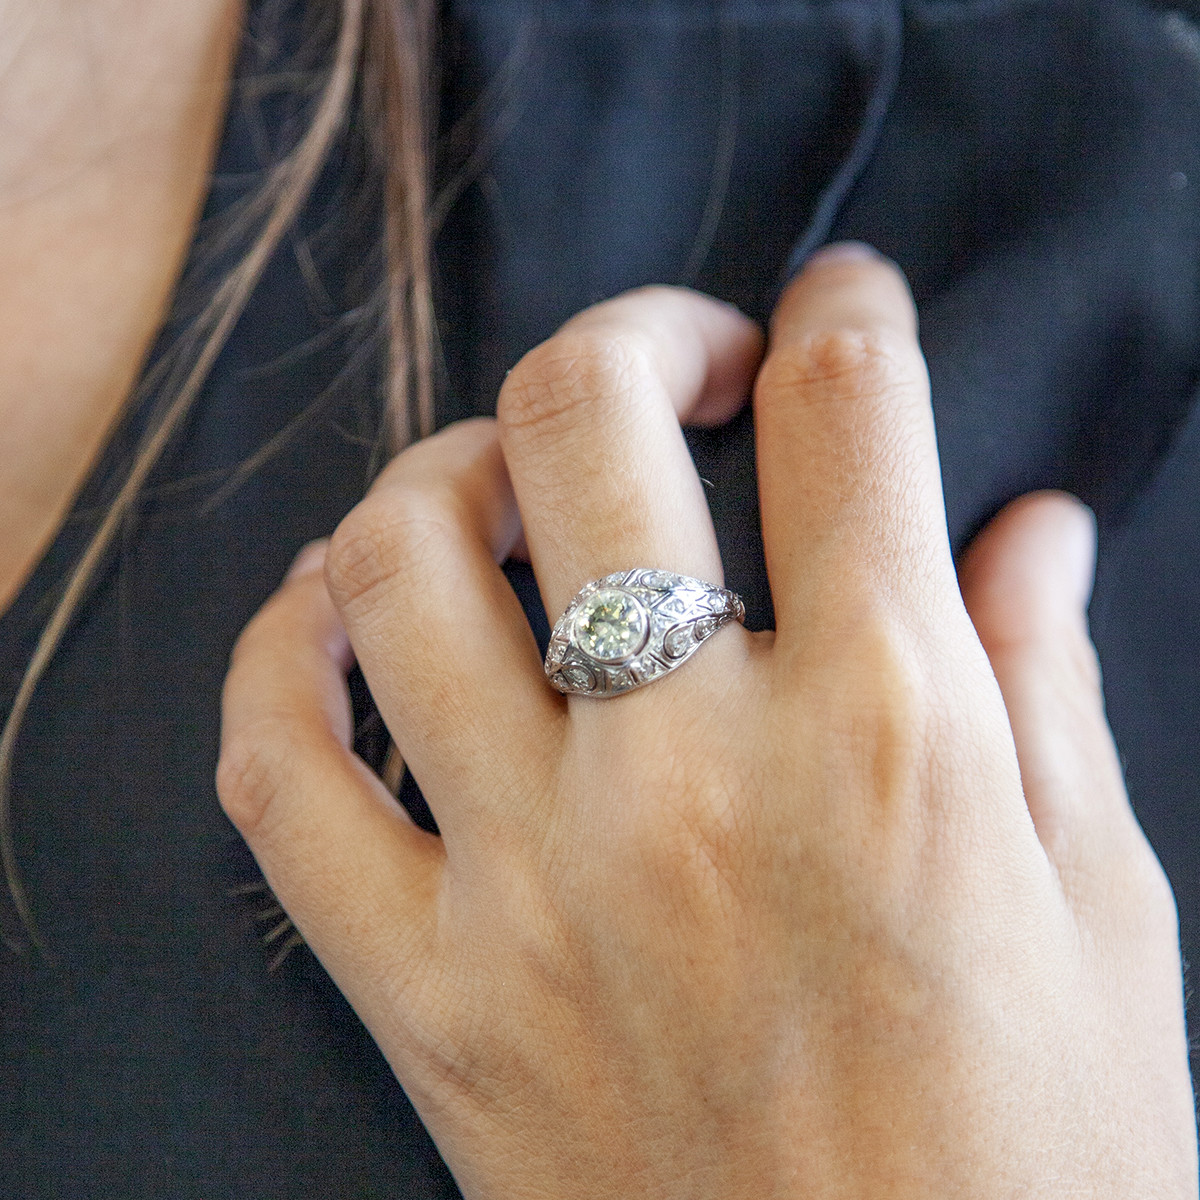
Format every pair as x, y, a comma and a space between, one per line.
590, 426
441, 639
1026, 581
347, 864
849, 477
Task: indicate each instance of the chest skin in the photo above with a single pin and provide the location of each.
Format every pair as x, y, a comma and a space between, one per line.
111, 113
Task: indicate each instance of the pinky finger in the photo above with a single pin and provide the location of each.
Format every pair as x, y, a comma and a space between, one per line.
354, 873
1026, 581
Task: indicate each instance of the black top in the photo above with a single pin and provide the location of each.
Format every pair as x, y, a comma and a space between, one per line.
1034, 166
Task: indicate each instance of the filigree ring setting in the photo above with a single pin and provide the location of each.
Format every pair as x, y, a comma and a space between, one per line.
633, 627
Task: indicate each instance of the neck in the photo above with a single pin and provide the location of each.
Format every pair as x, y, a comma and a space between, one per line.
110, 111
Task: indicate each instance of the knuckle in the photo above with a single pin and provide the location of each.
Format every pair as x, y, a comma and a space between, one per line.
559, 380
832, 364
249, 773
386, 538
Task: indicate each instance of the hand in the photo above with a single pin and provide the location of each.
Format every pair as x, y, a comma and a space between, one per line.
853, 909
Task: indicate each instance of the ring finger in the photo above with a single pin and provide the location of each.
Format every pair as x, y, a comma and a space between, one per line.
590, 428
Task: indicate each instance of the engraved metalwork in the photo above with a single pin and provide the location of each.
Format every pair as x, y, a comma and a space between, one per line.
631, 628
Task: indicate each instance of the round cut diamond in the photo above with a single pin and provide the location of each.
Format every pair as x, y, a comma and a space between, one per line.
611, 625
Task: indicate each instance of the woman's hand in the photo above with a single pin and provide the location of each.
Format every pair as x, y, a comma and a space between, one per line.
825, 913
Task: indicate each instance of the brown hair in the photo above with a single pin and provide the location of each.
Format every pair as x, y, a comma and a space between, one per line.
387, 44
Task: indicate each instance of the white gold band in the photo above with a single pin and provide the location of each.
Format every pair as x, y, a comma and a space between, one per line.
630, 628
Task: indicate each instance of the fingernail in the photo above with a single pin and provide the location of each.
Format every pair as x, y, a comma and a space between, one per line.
845, 252
311, 558
1079, 552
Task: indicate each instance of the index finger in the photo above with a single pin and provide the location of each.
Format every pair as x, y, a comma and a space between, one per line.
343, 857
848, 467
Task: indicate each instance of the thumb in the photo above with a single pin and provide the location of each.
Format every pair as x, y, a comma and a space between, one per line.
1026, 581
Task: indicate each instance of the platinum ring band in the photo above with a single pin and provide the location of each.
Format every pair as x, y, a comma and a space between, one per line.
633, 627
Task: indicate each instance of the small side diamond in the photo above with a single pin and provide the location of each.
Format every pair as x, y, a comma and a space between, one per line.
658, 581
578, 677
621, 681
678, 641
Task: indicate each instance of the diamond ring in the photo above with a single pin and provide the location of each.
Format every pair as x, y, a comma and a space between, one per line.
631, 628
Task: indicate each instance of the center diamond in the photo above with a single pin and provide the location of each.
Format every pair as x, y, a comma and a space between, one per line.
611, 625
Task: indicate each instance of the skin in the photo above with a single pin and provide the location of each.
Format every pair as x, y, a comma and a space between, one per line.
110, 113
855, 908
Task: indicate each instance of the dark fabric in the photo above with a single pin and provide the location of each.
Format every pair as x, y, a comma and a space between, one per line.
1035, 171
